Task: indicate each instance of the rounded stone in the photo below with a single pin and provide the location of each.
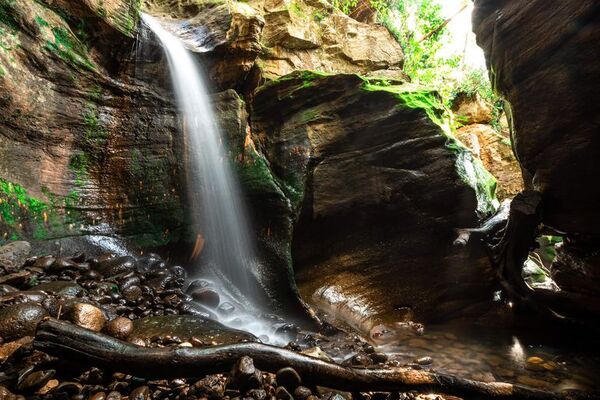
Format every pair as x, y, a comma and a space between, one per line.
87, 316
302, 393
289, 378
119, 327
140, 393
20, 320
206, 296
132, 293
424, 360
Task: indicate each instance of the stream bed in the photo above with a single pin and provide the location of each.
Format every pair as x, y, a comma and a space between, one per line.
541, 359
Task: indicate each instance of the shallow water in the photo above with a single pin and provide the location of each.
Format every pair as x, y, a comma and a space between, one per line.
545, 359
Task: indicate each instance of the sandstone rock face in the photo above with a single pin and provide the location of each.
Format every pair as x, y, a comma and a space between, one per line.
76, 157
495, 151
313, 35
543, 61
374, 182
227, 36
471, 109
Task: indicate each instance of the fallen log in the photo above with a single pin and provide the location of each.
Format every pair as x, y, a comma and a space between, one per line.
71, 342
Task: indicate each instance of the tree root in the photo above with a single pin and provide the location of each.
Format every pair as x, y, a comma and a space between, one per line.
510, 253
71, 342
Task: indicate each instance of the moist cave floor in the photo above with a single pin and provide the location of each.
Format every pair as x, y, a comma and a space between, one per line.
144, 301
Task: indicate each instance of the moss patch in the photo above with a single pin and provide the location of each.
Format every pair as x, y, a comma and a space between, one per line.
69, 48
25, 217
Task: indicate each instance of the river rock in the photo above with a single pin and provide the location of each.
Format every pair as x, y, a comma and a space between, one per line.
116, 266
8, 349
20, 320
211, 386
186, 327
61, 288
6, 289
119, 327
14, 254
206, 296
289, 378
44, 262
140, 393
244, 375
302, 393
87, 316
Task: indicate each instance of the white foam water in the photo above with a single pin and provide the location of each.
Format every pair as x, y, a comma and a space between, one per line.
221, 219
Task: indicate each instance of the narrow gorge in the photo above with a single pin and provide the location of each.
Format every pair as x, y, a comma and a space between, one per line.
299, 199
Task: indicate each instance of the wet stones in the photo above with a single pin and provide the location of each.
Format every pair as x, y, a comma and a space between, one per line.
424, 360
226, 308
119, 327
191, 308
20, 320
244, 376
302, 393
87, 316
281, 393
61, 288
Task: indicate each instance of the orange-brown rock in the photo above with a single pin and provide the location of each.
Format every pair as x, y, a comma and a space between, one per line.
495, 152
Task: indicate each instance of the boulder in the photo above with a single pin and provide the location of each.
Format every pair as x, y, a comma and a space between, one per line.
361, 177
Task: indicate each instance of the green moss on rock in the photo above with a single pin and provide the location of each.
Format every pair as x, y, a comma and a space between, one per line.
469, 168
26, 217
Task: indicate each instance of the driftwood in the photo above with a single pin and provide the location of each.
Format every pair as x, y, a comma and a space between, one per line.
488, 228
70, 342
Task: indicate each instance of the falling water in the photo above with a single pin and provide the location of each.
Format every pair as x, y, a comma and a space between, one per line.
221, 219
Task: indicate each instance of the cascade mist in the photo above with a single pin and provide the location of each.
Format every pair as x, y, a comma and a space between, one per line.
218, 213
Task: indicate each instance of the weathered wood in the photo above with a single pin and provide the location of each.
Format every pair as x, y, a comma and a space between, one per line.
70, 342
488, 228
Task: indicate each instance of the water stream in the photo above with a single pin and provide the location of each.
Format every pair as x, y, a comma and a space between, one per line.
219, 217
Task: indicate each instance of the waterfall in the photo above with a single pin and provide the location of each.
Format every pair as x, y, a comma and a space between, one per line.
213, 188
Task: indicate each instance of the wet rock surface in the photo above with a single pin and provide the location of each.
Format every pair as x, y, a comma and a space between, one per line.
184, 328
